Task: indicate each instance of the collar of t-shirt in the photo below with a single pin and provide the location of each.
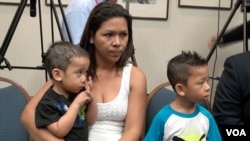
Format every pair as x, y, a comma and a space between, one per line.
98, 1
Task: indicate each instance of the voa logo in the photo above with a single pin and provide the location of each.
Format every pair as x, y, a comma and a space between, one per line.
236, 132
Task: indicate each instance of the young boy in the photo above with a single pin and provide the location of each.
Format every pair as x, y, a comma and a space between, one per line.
62, 108
183, 119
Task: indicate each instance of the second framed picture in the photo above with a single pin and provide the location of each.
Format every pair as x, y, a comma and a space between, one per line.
146, 9
207, 4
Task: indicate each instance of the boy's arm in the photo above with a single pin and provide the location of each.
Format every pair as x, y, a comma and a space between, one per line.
28, 117
213, 133
62, 127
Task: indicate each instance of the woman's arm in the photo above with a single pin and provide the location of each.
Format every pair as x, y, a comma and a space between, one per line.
28, 117
91, 113
135, 119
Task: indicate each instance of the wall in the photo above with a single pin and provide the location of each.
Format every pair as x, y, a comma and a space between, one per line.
155, 41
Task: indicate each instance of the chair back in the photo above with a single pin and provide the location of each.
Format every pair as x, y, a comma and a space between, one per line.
158, 98
13, 98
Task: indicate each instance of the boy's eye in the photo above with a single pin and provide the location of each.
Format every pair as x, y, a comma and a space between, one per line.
79, 72
82, 72
200, 83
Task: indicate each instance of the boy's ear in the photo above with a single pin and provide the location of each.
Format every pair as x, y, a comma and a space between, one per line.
57, 74
179, 88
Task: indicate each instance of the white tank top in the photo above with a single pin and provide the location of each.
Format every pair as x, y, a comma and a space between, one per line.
109, 125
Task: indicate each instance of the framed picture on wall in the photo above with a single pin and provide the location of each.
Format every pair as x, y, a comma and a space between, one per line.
146, 9
64, 2
13, 2
207, 4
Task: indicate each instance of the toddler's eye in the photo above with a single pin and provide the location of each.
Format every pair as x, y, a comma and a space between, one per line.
79, 72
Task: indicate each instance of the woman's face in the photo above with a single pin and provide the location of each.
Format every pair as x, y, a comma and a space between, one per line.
111, 39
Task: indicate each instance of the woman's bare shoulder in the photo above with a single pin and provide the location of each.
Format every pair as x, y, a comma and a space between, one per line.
137, 71
137, 75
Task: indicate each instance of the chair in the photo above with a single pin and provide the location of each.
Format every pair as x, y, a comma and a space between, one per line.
13, 98
158, 98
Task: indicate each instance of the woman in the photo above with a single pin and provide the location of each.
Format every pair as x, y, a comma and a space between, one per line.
119, 88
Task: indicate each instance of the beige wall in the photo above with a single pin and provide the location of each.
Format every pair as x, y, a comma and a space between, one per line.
155, 42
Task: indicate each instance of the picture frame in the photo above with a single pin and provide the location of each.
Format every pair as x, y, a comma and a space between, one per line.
12, 2
64, 2
146, 9
206, 4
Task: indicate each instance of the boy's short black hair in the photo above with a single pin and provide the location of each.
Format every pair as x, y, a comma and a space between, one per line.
178, 68
59, 55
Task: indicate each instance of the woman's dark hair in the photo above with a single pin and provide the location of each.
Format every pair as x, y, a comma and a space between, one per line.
101, 13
